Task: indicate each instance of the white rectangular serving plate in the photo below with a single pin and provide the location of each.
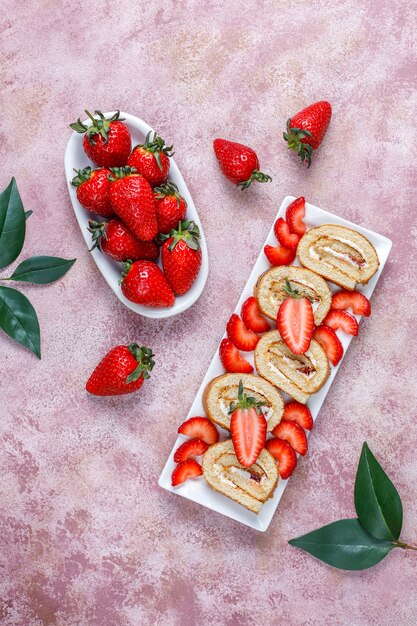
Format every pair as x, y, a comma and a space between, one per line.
75, 157
197, 489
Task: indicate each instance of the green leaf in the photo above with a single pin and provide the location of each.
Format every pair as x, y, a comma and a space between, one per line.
377, 502
28, 214
344, 544
12, 224
42, 270
19, 320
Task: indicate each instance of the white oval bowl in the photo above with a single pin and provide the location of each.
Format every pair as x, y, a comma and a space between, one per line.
75, 157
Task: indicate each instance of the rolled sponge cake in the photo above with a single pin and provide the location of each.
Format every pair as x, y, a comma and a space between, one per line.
340, 254
225, 474
223, 390
269, 291
298, 375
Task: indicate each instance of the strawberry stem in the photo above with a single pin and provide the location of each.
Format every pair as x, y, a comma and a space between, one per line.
294, 137
156, 145
121, 172
127, 266
100, 126
97, 230
145, 361
186, 231
83, 176
257, 176
169, 189
293, 293
245, 402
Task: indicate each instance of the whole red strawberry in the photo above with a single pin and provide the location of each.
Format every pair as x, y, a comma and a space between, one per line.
144, 282
118, 242
121, 371
151, 159
170, 207
132, 200
306, 129
239, 163
181, 257
107, 141
93, 190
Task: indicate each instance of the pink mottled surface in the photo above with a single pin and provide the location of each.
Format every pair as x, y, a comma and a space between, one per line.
86, 535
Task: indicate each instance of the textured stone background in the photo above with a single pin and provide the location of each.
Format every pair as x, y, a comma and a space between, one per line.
86, 535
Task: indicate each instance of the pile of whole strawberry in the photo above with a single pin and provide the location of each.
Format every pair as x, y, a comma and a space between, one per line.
143, 209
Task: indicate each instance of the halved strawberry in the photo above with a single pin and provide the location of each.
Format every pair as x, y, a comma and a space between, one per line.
294, 215
330, 343
284, 236
252, 317
248, 428
185, 470
200, 428
293, 434
300, 413
355, 300
341, 319
295, 321
284, 454
242, 337
231, 358
279, 255
191, 447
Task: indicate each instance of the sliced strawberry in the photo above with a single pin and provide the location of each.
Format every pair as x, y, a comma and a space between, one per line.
354, 300
252, 317
231, 358
341, 319
242, 337
295, 323
191, 447
300, 413
200, 428
284, 236
248, 430
330, 343
279, 255
248, 427
295, 214
293, 434
284, 454
184, 471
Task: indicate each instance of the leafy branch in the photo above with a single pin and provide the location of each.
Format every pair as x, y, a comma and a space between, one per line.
359, 543
17, 316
